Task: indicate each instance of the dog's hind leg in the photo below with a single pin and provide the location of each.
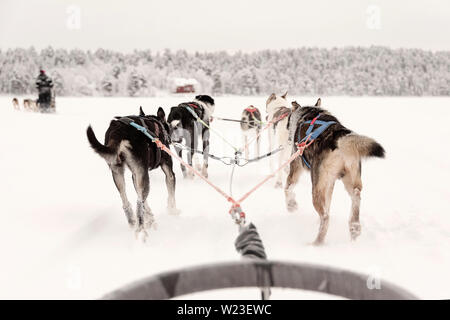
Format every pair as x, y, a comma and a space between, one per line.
279, 176
179, 152
271, 138
170, 184
191, 141
353, 185
142, 185
258, 143
292, 179
245, 145
205, 144
323, 185
119, 180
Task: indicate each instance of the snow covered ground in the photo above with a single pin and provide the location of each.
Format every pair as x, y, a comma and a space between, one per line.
63, 233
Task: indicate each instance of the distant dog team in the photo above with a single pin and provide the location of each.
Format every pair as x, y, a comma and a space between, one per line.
28, 104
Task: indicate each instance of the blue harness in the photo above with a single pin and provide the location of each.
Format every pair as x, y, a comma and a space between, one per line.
313, 134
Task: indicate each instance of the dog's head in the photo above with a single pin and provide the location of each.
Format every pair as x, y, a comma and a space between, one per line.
318, 103
296, 105
205, 99
274, 102
207, 102
161, 116
174, 120
295, 117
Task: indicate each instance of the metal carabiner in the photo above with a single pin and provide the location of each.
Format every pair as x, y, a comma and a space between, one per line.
227, 160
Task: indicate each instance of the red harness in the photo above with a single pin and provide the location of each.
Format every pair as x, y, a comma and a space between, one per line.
251, 109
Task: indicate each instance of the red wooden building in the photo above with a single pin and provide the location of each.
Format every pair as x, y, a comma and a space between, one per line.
188, 88
185, 85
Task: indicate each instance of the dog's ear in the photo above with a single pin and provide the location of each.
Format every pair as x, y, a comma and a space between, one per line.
161, 114
141, 112
284, 95
319, 102
271, 98
295, 105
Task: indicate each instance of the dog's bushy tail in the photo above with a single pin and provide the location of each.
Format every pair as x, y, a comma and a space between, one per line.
360, 146
101, 149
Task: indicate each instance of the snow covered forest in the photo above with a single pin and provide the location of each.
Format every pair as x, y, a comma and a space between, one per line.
350, 71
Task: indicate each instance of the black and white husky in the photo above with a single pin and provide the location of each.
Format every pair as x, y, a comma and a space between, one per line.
124, 147
335, 154
185, 129
251, 126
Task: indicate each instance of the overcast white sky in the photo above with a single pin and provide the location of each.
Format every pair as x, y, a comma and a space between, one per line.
210, 25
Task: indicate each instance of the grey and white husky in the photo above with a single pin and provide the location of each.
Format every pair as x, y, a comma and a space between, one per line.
334, 154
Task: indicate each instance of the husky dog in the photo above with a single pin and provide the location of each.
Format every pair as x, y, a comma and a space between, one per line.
126, 146
335, 154
251, 126
278, 108
185, 127
30, 105
15, 103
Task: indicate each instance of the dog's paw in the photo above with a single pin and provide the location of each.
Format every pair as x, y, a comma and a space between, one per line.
132, 223
355, 230
173, 211
137, 232
142, 235
149, 220
189, 175
130, 216
292, 205
317, 243
278, 185
205, 171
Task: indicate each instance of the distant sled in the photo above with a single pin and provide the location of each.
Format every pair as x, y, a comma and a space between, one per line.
35, 105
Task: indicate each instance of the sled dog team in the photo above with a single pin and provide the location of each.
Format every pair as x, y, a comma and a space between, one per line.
28, 104
334, 152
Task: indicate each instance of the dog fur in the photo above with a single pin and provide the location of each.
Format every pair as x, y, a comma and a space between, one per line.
30, 105
335, 154
126, 146
251, 126
186, 128
15, 103
278, 133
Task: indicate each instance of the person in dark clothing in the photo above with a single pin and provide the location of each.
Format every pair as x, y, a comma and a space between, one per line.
44, 84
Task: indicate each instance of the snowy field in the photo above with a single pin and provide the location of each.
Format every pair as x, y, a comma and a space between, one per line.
63, 233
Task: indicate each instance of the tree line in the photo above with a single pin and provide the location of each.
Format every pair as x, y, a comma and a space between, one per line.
374, 71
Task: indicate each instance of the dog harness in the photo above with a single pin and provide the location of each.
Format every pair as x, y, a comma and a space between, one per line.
251, 109
158, 130
312, 134
194, 108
